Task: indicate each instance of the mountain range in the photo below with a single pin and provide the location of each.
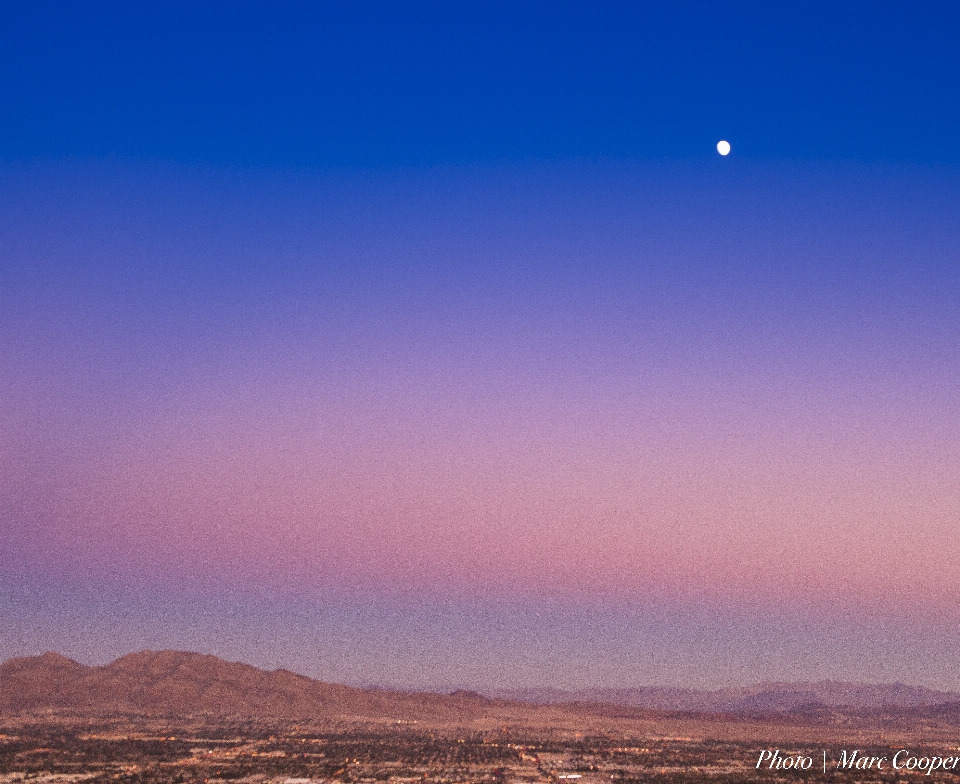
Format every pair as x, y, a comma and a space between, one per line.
182, 683
760, 698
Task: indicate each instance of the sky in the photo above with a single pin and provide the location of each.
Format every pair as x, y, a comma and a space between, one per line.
435, 345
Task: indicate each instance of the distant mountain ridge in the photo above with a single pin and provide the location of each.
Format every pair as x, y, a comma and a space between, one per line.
761, 698
182, 683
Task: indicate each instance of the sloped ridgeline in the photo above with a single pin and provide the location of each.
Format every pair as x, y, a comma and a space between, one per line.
178, 683
174, 683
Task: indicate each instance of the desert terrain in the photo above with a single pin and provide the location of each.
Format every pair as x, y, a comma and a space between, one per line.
182, 717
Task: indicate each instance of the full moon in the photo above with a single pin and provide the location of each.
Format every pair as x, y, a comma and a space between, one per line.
723, 148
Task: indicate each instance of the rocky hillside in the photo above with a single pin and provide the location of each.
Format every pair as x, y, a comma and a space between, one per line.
174, 682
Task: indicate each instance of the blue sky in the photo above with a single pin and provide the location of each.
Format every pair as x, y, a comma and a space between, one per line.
385, 342
385, 84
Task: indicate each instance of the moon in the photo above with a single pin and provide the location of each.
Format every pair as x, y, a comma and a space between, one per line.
723, 147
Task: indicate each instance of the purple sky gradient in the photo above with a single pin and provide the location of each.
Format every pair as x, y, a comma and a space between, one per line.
582, 424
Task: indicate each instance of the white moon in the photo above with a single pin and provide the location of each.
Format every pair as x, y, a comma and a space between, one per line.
723, 148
